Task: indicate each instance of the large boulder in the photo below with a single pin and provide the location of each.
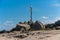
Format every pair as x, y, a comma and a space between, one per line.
57, 23
20, 27
26, 26
50, 26
58, 27
37, 25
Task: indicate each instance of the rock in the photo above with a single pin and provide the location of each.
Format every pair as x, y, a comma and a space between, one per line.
38, 33
21, 36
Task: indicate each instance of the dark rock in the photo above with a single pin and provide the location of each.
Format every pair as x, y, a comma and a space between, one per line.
21, 36
3, 31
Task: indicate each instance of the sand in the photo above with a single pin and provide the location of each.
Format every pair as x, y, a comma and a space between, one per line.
34, 35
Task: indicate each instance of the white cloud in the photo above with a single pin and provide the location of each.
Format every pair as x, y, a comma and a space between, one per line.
48, 21
57, 18
56, 4
8, 23
53, 21
45, 17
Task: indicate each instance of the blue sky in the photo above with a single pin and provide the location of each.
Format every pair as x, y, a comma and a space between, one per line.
14, 11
